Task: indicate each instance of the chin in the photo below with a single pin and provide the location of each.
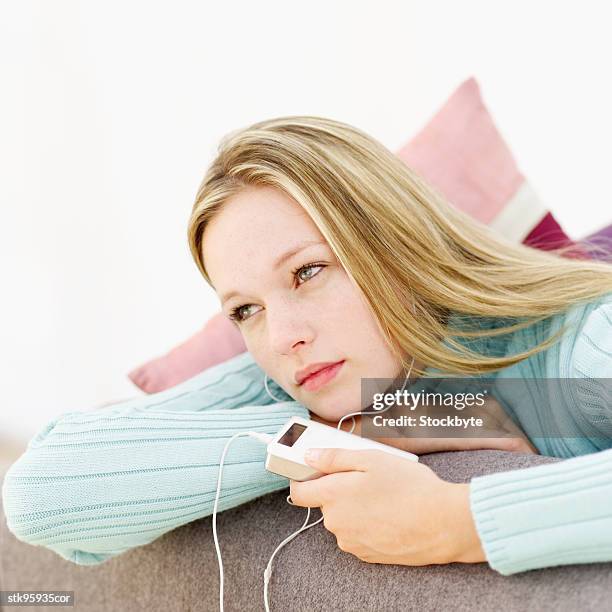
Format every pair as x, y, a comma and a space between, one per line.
333, 410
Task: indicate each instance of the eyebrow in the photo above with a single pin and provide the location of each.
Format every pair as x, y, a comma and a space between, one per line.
279, 262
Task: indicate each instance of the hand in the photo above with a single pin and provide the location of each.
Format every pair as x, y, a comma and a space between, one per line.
517, 442
385, 509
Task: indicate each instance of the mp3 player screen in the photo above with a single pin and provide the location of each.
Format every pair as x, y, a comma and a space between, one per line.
290, 437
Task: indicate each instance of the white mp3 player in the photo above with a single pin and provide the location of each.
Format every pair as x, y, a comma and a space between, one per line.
285, 453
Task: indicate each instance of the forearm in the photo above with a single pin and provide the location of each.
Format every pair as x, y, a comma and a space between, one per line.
94, 484
239, 381
555, 514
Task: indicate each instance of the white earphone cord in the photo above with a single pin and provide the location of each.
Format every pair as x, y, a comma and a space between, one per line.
353, 414
265, 438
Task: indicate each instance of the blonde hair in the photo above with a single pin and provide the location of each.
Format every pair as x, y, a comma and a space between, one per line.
400, 241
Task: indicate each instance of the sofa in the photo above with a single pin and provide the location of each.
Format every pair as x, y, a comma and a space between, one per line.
179, 571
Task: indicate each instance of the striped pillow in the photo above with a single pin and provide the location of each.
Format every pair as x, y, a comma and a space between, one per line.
461, 152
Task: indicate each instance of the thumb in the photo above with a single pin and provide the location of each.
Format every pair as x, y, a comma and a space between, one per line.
331, 460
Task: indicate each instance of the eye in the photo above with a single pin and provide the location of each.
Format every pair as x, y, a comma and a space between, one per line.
236, 314
308, 267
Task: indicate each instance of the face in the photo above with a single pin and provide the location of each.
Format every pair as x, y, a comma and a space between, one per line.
293, 302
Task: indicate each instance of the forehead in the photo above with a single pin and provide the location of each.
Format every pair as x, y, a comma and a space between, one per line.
252, 228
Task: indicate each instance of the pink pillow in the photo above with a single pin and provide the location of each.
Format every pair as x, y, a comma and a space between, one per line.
461, 153
219, 340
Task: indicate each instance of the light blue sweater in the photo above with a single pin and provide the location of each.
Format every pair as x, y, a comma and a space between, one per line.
94, 484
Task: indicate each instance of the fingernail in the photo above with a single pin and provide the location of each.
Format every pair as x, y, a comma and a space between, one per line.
312, 454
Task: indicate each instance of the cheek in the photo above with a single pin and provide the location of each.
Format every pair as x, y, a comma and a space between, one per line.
355, 329
254, 347
260, 352
348, 309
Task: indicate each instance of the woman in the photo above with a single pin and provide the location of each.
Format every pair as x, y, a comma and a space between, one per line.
325, 249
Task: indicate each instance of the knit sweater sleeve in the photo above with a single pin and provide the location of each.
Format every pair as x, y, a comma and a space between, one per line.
91, 485
591, 366
559, 513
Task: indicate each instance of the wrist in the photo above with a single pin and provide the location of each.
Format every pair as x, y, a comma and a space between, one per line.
466, 546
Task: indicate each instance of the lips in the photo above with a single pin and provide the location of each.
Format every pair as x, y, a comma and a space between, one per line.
312, 369
321, 377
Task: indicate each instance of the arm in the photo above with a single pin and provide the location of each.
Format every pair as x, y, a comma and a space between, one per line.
546, 515
560, 513
94, 484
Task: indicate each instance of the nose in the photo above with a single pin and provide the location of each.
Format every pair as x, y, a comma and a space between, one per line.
289, 327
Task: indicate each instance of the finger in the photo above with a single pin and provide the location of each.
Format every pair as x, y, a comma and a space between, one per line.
308, 494
329, 460
317, 492
521, 445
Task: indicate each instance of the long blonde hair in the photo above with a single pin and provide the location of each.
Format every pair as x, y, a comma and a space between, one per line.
400, 241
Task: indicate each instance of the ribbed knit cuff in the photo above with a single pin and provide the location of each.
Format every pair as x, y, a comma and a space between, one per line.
546, 515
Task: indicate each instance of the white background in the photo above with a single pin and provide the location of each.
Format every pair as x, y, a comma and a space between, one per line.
111, 111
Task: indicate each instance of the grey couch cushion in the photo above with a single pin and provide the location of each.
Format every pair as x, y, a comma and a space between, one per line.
179, 570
